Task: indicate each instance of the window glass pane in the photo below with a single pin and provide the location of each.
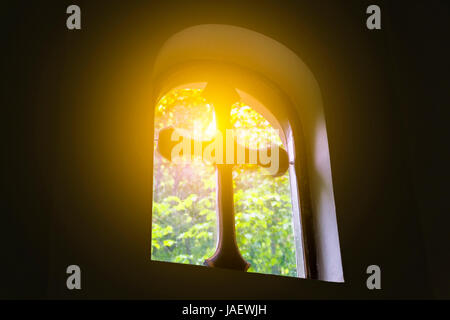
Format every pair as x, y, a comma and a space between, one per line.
263, 208
184, 217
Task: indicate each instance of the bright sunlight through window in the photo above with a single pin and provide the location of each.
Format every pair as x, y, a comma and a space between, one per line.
184, 216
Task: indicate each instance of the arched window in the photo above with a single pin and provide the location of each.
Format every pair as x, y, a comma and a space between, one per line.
184, 211
273, 84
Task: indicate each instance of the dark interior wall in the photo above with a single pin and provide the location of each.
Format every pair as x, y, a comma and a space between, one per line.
421, 71
78, 163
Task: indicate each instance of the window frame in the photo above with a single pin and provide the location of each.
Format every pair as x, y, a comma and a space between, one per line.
291, 95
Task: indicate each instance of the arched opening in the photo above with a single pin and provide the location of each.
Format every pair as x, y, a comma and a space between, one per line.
184, 224
276, 77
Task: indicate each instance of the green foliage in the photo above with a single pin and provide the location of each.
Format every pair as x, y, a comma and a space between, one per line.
184, 217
